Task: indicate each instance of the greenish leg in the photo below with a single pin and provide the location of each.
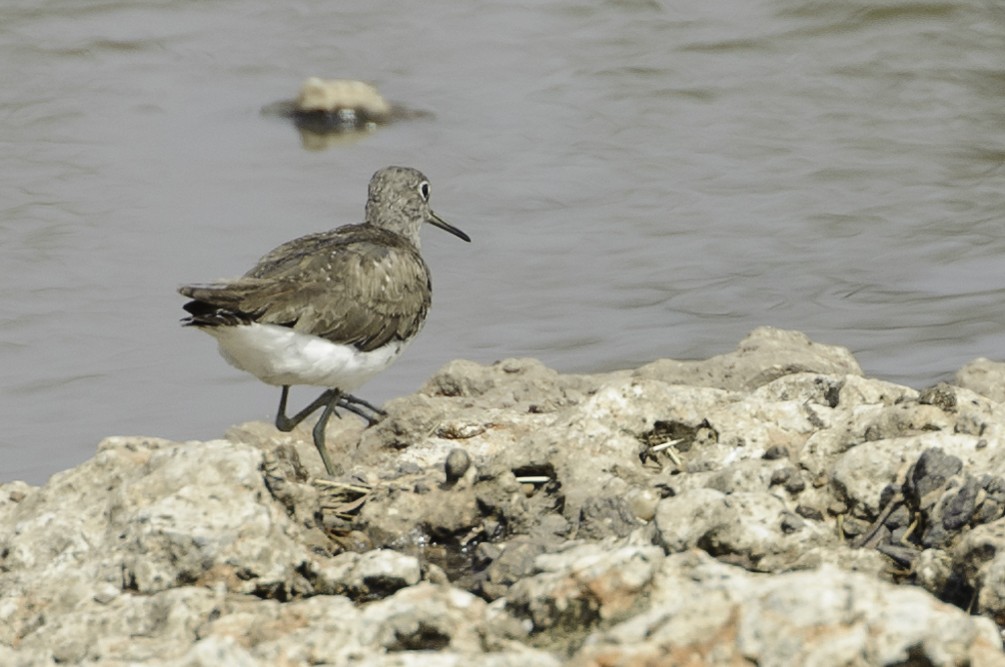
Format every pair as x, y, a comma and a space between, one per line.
319, 429
358, 407
286, 424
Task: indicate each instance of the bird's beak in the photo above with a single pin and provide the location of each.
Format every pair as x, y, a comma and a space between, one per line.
447, 227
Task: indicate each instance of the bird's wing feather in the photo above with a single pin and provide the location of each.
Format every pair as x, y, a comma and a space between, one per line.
363, 289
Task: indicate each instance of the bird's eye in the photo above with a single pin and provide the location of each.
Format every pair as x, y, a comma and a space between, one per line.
424, 190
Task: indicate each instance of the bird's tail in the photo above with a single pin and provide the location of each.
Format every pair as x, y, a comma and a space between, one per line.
213, 306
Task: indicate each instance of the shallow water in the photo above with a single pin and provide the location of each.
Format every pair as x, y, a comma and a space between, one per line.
641, 179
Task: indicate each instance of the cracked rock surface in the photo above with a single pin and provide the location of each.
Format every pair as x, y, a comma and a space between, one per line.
769, 506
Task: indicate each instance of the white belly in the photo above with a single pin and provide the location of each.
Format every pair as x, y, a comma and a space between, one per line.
280, 356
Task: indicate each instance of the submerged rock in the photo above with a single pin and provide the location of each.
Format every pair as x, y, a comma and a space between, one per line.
331, 108
770, 506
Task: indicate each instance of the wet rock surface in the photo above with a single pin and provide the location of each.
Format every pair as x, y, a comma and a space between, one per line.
770, 506
327, 110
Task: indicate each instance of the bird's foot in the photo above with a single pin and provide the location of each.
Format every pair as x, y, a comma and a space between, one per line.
367, 411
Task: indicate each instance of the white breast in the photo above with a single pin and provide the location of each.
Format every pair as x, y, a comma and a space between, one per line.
281, 356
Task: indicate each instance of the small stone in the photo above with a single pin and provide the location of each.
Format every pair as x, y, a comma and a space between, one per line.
339, 95
643, 504
837, 507
106, 593
902, 555
780, 476
795, 484
959, 508
791, 523
898, 518
930, 472
775, 452
933, 570
942, 395
457, 463
808, 512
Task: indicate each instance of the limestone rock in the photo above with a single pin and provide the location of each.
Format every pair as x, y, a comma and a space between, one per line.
769, 506
705, 612
766, 354
984, 377
327, 110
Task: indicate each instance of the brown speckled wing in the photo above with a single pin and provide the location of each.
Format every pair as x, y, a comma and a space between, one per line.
356, 285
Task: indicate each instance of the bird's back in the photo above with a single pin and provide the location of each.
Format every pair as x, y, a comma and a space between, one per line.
357, 285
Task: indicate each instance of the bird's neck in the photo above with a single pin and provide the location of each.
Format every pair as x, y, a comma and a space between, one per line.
394, 222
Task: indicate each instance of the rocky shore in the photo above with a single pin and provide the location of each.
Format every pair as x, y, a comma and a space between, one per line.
768, 507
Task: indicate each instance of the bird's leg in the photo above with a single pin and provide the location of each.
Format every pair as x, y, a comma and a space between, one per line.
330, 399
358, 406
319, 428
349, 398
284, 423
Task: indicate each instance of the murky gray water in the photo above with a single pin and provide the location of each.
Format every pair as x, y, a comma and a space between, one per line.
642, 179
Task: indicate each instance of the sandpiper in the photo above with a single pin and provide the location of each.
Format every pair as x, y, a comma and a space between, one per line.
331, 309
